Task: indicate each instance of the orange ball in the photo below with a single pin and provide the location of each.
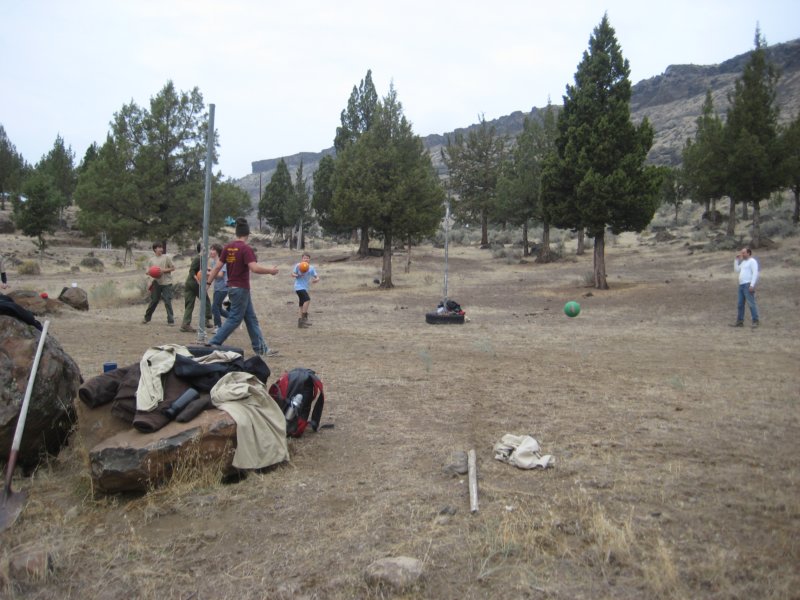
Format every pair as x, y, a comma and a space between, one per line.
303, 267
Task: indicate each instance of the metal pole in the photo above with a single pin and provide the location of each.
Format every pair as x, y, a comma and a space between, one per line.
201, 330
446, 246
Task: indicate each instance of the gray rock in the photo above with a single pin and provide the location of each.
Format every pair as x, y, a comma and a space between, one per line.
51, 411
458, 464
398, 573
75, 297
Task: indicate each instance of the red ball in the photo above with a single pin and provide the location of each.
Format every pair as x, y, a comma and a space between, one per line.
154, 272
44, 295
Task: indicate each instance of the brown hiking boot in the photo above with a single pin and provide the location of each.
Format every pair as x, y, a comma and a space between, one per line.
188, 329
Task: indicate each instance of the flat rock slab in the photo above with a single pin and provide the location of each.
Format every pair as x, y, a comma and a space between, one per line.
135, 461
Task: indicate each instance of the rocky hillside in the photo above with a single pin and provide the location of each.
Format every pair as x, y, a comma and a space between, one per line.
671, 101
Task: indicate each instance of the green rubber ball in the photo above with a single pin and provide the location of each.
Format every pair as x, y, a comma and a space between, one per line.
572, 309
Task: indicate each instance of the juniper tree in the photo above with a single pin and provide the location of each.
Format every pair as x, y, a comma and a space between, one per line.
751, 136
356, 120
390, 174
278, 194
474, 164
598, 178
790, 164
148, 180
704, 157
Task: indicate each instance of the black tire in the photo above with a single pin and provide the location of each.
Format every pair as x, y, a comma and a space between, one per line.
434, 318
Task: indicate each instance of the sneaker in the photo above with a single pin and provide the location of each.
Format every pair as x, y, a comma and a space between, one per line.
737, 324
754, 325
170, 323
269, 353
188, 329
145, 321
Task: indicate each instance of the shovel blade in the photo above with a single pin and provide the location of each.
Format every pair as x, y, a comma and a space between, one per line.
11, 504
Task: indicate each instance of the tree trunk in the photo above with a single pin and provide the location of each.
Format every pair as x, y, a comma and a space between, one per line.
484, 230
711, 205
677, 207
408, 260
581, 242
744, 211
731, 219
386, 272
545, 252
363, 247
756, 224
525, 239
600, 281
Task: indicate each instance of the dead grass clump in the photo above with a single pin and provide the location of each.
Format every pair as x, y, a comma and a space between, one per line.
29, 267
109, 294
191, 471
660, 573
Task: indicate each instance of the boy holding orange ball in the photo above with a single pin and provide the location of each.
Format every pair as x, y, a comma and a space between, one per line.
304, 275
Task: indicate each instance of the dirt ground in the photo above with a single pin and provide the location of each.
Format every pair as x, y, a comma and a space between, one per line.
676, 438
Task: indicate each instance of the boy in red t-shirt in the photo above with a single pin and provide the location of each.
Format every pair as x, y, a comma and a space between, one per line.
241, 260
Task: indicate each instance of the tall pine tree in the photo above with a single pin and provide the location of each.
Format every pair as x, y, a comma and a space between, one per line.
598, 179
751, 136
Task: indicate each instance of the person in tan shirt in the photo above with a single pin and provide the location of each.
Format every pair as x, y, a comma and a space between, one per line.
161, 287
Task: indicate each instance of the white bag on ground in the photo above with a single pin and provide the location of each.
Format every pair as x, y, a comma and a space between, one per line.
521, 451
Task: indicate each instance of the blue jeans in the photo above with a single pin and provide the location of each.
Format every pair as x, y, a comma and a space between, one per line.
217, 310
745, 295
241, 310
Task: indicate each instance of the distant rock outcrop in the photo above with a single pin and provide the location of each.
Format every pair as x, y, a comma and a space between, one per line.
671, 101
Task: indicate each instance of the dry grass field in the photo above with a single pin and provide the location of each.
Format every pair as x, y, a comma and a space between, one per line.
676, 438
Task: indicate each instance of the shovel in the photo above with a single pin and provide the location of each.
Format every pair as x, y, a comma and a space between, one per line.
12, 502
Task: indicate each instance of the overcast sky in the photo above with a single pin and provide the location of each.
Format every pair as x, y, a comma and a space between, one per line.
280, 73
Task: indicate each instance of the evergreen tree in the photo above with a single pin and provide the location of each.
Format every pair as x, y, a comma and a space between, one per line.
672, 191
278, 195
148, 180
704, 158
519, 187
12, 169
751, 135
298, 209
356, 120
37, 213
322, 197
790, 164
474, 164
598, 179
391, 174
59, 163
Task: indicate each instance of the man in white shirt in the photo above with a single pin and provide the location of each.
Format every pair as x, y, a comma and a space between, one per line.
747, 268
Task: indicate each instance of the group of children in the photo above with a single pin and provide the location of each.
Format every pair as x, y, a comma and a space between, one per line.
228, 272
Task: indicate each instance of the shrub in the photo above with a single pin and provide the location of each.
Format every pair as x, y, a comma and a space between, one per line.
29, 267
778, 229
93, 263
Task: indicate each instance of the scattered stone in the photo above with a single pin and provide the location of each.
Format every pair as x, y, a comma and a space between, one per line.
458, 464
398, 573
75, 297
32, 565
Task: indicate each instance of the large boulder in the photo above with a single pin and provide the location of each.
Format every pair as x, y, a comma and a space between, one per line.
133, 461
75, 297
51, 411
